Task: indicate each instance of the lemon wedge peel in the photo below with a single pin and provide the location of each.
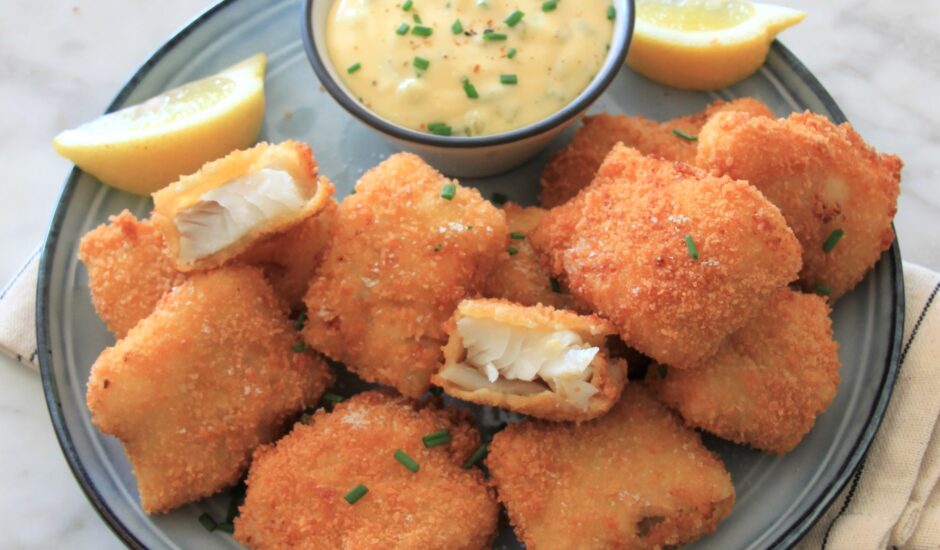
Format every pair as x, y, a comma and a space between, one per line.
711, 59
144, 147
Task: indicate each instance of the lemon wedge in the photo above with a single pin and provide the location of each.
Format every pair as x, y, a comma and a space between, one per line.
145, 147
704, 44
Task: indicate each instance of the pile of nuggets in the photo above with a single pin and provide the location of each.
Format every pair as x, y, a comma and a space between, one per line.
713, 245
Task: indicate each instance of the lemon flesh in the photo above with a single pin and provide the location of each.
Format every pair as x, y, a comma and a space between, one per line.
704, 44
147, 146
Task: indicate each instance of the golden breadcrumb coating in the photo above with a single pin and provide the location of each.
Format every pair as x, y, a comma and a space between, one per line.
400, 260
633, 478
128, 270
769, 380
572, 169
296, 487
195, 387
608, 375
185, 195
520, 277
823, 178
625, 247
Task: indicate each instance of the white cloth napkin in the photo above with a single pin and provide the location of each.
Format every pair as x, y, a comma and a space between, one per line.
893, 500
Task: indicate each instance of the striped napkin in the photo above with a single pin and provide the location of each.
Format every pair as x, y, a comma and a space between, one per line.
892, 500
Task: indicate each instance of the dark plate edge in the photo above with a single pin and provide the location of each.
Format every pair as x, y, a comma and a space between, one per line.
50, 389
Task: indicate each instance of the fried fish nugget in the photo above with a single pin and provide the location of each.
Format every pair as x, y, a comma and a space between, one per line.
535, 360
519, 277
676, 259
633, 478
769, 380
231, 203
296, 487
826, 181
572, 169
128, 270
408, 246
195, 387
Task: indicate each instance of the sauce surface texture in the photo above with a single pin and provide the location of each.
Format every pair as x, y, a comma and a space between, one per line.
468, 67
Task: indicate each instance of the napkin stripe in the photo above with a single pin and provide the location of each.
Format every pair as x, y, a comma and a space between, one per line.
13, 280
920, 319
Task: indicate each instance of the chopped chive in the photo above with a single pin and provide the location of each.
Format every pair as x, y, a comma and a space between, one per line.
611, 12
684, 135
434, 439
299, 347
301, 319
436, 390
661, 369
512, 250
457, 27
499, 199
238, 498
449, 191
508, 79
476, 456
491, 36
421, 30
469, 89
823, 290
208, 522
511, 53
416, 18
407, 5
407, 461
402, 29
556, 286
356, 493
690, 244
515, 235
354, 67
421, 63
333, 398
833, 240
226, 527
550, 5
514, 18
440, 129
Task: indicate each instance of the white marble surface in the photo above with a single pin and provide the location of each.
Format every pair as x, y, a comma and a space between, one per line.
62, 62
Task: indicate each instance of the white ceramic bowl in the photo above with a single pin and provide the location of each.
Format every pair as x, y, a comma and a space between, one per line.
476, 156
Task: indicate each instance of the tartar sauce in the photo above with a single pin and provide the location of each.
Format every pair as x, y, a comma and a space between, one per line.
468, 67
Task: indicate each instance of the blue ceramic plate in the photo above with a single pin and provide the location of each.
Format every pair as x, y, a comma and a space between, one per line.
779, 498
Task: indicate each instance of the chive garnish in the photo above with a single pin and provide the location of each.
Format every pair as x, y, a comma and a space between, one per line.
421, 63
407, 5
833, 240
440, 129
683, 135
512, 250
457, 27
661, 369
301, 319
476, 456
511, 53
508, 79
434, 439
550, 5
238, 498
356, 493
449, 191
208, 522
469, 89
514, 18
402, 29
333, 398
354, 67
299, 347
491, 36
499, 199
515, 235
556, 286
421, 30
416, 18
690, 244
407, 461
823, 290
611, 12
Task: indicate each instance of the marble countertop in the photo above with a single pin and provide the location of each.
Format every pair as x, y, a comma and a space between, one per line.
62, 63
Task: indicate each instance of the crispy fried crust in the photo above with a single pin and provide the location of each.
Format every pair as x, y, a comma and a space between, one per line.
196, 386
634, 478
573, 168
823, 177
128, 270
520, 277
400, 260
769, 380
621, 246
609, 374
296, 487
291, 156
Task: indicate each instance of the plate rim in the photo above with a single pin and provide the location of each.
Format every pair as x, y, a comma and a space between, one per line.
786, 540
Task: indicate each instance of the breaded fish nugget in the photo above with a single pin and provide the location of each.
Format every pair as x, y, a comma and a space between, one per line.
769, 380
519, 277
535, 360
128, 270
676, 259
633, 478
231, 203
837, 193
572, 169
196, 386
408, 246
296, 488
